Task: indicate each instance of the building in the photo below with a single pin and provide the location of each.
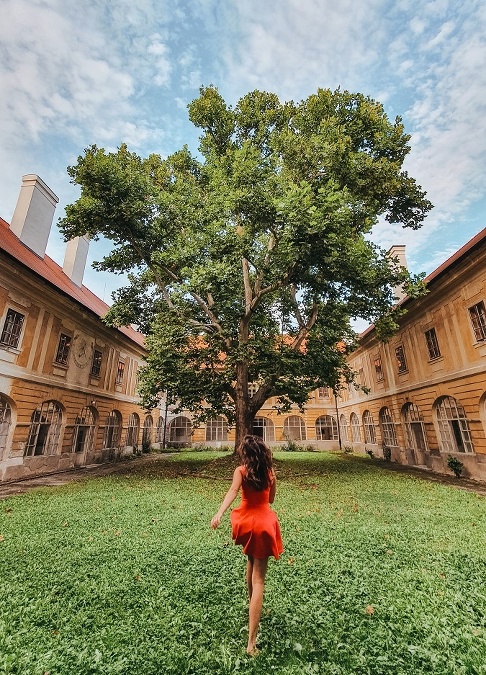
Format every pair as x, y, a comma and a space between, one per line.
67, 381
427, 398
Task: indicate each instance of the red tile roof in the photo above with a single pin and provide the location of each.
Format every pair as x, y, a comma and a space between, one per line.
54, 275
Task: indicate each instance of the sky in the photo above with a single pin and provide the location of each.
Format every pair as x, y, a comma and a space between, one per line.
76, 73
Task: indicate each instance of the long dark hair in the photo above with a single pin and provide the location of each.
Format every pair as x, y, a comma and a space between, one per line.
257, 460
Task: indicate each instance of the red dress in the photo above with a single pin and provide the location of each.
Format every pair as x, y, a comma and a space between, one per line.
254, 525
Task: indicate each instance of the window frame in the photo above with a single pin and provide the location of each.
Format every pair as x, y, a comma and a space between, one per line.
94, 361
378, 365
402, 366
63, 350
477, 316
10, 344
432, 344
120, 373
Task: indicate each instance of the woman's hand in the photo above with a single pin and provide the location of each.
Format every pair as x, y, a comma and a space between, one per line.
215, 521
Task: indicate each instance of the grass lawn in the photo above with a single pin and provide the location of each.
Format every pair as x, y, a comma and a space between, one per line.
382, 573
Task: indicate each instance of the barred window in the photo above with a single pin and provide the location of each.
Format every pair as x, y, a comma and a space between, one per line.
112, 435
96, 363
264, 428
159, 430
5, 422
147, 430
326, 428
369, 427
120, 372
180, 430
45, 429
217, 429
414, 426
133, 430
432, 344
387, 428
323, 392
401, 361
63, 348
343, 424
12, 328
294, 428
478, 319
378, 369
453, 426
84, 430
355, 430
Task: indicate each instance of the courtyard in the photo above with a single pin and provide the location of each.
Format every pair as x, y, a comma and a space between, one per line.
383, 572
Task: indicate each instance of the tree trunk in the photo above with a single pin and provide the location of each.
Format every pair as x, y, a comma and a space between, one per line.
244, 414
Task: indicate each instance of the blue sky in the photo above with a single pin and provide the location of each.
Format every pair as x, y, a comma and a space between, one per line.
91, 71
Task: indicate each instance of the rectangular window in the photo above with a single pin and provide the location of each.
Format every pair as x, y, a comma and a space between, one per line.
12, 329
119, 372
400, 356
323, 392
432, 344
96, 363
63, 349
478, 318
378, 369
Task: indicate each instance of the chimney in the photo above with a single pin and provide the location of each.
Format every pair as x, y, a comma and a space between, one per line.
75, 259
398, 251
32, 218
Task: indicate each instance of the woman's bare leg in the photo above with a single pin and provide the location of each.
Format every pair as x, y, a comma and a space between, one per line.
258, 584
249, 574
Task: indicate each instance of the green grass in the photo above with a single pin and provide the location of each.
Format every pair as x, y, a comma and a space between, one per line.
382, 573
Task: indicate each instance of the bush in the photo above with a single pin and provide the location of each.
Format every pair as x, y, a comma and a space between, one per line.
290, 446
455, 465
348, 449
386, 453
369, 452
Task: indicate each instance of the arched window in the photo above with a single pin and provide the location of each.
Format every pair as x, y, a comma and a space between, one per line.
84, 430
217, 429
5, 422
45, 429
453, 426
355, 428
133, 430
264, 428
343, 425
414, 427
148, 425
369, 427
180, 430
387, 428
159, 430
111, 439
294, 428
326, 428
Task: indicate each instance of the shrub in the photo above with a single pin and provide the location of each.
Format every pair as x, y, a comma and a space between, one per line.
386, 453
455, 465
369, 452
290, 446
348, 449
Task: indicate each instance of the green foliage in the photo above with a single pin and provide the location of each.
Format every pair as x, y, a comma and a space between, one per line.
247, 264
455, 465
290, 446
382, 573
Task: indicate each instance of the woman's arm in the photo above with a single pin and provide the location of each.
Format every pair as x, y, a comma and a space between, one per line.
273, 487
229, 498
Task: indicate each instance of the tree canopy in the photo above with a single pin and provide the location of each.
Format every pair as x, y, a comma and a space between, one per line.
248, 259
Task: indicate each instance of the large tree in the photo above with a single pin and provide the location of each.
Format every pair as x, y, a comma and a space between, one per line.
247, 261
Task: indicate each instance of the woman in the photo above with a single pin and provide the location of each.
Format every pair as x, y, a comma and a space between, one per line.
254, 525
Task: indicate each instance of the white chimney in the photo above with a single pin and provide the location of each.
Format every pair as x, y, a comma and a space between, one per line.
75, 259
398, 252
32, 218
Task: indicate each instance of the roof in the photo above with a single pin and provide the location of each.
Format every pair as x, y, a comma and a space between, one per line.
444, 268
51, 272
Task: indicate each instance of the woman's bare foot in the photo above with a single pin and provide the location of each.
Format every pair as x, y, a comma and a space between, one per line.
252, 651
